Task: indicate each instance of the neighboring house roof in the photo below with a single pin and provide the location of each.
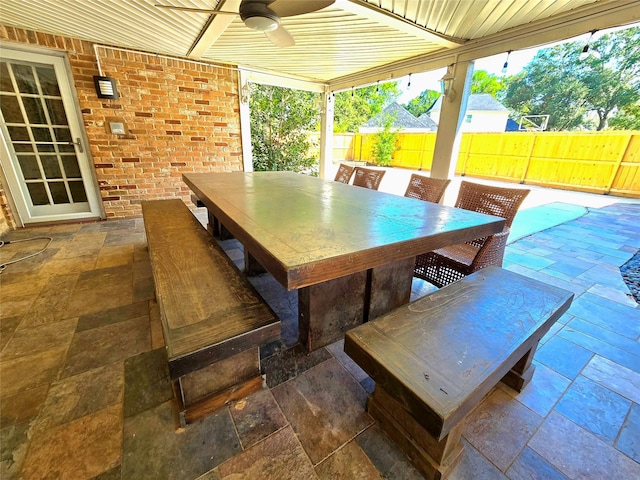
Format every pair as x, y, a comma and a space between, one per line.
483, 102
404, 119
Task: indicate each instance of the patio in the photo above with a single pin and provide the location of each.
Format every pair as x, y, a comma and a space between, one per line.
85, 392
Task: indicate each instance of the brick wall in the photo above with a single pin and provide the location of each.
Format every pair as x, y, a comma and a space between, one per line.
181, 117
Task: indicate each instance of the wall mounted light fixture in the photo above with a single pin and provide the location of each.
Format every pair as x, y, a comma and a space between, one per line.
106, 87
446, 84
245, 93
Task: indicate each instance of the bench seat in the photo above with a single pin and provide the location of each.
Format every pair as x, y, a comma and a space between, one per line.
213, 320
435, 359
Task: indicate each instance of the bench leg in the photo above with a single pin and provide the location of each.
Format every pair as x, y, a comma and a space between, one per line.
206, 390
522, 372
432, 457
327, 310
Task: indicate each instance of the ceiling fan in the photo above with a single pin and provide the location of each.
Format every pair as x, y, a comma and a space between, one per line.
264, 15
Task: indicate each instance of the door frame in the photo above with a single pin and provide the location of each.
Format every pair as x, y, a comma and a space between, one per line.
9, 177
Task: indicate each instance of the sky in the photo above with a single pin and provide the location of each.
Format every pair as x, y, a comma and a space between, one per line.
517, 61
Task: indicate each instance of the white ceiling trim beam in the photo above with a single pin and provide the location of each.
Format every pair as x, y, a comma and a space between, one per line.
380, 15
596, 16
280, 80
213, 29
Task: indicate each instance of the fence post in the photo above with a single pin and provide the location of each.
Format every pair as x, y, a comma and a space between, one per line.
616, 168
526, 167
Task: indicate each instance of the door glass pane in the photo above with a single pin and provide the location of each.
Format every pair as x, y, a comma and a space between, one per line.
56, 111
34, 110
38, 194
59, 192
51, 167
5, 79
24, 78
71, 167
45, 147
62, 134
66, 148
41, 134
23, 147
18, 134
29, 167
48, 81
10, 109
77, 191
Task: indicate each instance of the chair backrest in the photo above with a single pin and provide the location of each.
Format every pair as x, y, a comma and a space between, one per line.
426, 188
499, 201
344, 173
368, 178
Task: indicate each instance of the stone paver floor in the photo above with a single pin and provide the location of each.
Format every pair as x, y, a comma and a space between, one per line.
84, 390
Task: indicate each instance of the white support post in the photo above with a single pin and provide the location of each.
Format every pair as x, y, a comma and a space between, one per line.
326, 134
448, 138
245, 120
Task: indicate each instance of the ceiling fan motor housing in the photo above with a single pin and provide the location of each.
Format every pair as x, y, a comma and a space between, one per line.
256, 15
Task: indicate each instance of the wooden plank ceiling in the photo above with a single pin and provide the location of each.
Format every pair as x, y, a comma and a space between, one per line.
343, 39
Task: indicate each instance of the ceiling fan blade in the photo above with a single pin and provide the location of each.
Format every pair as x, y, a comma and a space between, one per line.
197, 10
290, 8
280, 37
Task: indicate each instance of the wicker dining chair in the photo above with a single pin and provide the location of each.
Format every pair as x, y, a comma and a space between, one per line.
449, 264
428, 189
368, 178
345, 172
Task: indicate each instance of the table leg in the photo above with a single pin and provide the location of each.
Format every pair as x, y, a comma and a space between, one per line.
522, 372
251, 265
390, 287
327, 310
215, 228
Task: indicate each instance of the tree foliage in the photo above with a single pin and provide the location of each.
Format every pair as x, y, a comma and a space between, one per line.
485, 82
580, 94
385, 141
423, 102
353, 108
281, 119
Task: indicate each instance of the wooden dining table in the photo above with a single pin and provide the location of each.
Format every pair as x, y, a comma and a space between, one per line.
348, 251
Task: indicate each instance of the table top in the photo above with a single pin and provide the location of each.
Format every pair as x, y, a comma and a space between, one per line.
305, 230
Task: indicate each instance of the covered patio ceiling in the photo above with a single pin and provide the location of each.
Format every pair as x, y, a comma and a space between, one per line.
349, 43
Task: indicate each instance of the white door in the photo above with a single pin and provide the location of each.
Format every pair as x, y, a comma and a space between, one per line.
44, 158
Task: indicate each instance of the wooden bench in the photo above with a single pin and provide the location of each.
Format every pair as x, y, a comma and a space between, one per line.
435, 359
213, 320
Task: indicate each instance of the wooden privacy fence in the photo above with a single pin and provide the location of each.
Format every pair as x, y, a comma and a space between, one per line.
600, 162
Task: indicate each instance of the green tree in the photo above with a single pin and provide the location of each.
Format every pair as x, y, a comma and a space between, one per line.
612, 77
423, 102
627, 118
280, 121
557, 83
352, 108
484, 82
386, 142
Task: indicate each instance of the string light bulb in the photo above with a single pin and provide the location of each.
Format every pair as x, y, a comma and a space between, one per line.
585, 50
409, 83
506, 63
